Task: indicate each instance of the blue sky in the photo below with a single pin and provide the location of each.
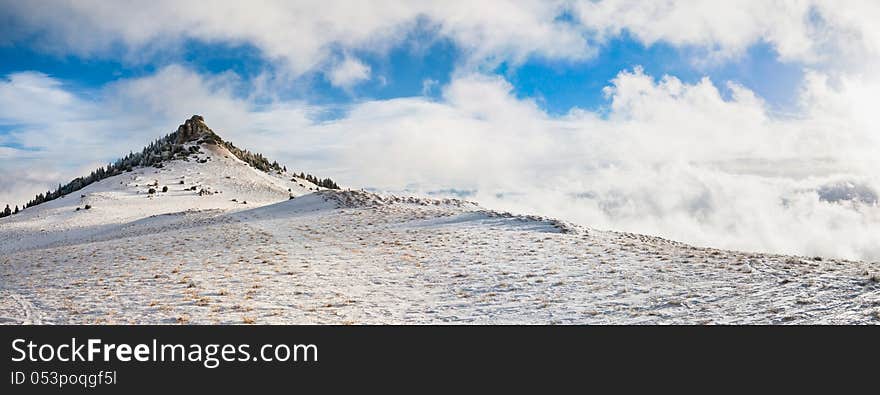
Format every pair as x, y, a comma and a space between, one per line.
556, 85
562, 86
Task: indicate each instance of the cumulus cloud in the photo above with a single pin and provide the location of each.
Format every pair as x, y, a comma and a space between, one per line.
669, 158
302, 35
25, 94
349, 72
810, 31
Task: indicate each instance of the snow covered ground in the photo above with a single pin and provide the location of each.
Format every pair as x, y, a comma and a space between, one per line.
354, 257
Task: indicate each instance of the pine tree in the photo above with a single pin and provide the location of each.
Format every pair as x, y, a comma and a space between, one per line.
7, 212
16, 209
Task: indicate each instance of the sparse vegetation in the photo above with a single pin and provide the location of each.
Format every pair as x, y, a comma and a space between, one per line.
325, 183
173, 146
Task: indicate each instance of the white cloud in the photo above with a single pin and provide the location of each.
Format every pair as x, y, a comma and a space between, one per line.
428, 86
348, 73
303, 35
841, 33
24, 95
300, 35
730, 27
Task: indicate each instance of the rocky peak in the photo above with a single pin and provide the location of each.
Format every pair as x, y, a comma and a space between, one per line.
194, 129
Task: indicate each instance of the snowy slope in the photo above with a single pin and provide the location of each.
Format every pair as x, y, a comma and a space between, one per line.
358, 257
353, 257
222, 183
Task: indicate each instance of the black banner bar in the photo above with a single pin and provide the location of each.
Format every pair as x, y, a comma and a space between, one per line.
333, 358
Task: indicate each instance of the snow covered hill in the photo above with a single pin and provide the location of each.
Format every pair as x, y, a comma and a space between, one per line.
209, 181
228, 243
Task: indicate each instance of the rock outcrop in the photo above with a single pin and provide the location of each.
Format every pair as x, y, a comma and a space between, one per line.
195, 129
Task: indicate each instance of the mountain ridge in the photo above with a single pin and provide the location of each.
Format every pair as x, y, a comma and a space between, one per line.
208, 238
178, 145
